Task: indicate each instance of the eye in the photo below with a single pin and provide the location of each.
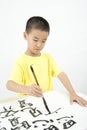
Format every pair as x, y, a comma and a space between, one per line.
43, 41
35, 40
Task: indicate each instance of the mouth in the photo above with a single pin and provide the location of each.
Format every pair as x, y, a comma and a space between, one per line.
37, 49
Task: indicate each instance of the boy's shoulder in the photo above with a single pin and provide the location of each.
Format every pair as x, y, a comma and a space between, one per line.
46, 54
20, 58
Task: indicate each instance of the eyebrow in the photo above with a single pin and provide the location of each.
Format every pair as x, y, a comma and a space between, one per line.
37, 38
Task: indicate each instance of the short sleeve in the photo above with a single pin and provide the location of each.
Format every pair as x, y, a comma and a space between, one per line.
17, 73
54, 68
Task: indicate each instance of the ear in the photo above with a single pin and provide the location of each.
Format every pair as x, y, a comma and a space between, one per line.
25, 35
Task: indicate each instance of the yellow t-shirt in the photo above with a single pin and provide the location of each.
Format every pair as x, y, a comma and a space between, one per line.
44, 68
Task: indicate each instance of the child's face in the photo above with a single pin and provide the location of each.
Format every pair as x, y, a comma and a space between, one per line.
36, 41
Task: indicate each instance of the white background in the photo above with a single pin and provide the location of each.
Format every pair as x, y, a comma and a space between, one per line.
66, 42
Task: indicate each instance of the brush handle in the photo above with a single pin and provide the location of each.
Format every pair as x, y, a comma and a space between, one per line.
44, 101
34, 75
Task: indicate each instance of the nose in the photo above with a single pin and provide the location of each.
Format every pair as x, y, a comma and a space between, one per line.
38, 44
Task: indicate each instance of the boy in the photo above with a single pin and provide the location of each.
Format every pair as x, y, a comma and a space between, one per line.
22, 80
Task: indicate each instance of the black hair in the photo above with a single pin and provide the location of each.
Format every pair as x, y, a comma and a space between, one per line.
37, 22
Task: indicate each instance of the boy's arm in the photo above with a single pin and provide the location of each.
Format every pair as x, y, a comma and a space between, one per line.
67, 84
15, 87
32, 90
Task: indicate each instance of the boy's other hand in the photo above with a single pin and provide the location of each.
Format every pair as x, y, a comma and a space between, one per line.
75, 98
34, 90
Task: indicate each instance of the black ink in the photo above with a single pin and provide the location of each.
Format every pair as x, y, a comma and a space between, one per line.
63, 117
22, 103
51, 120
7, 112
17, 128
40, 121
35, 126
45, 121
46, 106
14, 121
68, 124
25, 125
35, 112
56, 111
43, 124
3, 128
51, 127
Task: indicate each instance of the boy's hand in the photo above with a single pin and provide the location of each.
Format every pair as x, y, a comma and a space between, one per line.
34, 90
78, 99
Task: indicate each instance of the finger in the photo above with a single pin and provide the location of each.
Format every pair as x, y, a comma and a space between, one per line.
31, 91
82, 101
36, 91
36, 94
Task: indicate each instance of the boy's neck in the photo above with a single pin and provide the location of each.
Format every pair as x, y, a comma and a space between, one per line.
33, 55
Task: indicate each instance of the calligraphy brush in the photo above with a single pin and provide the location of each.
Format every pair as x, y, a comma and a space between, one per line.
38, 85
